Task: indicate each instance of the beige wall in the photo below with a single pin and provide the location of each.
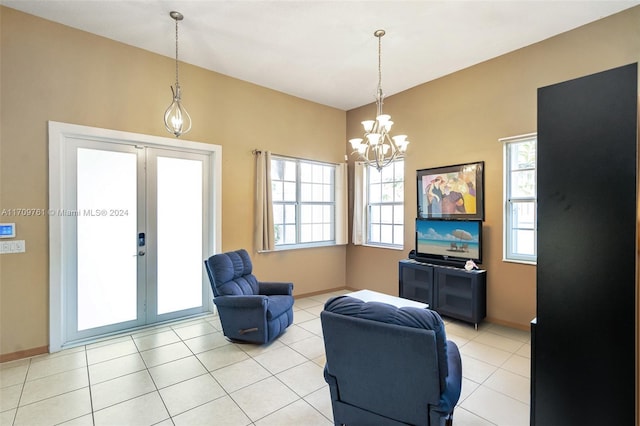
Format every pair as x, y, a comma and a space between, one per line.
460, 117
53, 72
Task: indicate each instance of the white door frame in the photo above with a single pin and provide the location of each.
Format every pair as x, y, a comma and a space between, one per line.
58, 134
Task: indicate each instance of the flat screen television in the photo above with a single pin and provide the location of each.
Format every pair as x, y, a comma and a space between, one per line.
449, 241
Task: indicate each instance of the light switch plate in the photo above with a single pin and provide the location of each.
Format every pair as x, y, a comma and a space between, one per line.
13, 246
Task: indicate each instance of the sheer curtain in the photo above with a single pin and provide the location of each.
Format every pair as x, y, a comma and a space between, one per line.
342, 228
358, 203
264, 235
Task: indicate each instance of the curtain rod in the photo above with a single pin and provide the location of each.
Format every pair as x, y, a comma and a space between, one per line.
256, 151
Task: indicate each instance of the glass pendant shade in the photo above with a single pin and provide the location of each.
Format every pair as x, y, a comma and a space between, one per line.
176, 118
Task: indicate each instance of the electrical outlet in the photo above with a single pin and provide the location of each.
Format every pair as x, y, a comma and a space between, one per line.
13, 246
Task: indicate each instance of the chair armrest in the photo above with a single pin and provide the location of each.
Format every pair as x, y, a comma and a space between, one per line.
453, 387
241, 301
272, 288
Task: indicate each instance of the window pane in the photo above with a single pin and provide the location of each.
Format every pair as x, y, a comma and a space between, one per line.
326, 193
317, 192
374, 216
306, 172
398, 215
306, 233
106, 295
523, 183
374, 234
318, 214
386, 214
386, 234
277, 191
398, 235
179, 253
289, 191
374, 175
289, 213
375, 193
523, 215
523, 242
289, 234
398, 188
388, 192
387, 174
399, 171
278, 213
306, 213
523, 155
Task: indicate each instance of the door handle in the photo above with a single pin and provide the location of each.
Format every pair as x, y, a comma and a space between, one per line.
140, 253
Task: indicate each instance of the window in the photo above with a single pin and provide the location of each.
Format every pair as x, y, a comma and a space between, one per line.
304, 206
520, 199
385, 205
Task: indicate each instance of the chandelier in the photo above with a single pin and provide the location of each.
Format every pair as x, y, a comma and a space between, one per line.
176, 117
378, 148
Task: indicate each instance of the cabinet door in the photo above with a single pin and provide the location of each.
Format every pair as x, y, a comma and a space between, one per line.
416, 283
456, 294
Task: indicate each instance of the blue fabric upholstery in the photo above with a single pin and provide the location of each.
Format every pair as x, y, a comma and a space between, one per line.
250, 310
388, 365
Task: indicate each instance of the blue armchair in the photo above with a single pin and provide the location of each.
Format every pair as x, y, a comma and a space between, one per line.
250, 310
388, 365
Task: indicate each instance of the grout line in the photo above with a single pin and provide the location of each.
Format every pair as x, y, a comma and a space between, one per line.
86, 358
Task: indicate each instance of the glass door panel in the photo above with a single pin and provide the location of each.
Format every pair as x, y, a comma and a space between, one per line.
179, 233
106, 210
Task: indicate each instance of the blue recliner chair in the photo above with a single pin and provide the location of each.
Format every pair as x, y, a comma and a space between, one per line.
388, 365
250, 310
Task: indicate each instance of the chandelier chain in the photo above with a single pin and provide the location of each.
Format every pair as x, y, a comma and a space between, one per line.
176, 52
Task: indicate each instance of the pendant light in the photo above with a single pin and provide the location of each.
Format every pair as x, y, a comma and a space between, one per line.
176, 117
378, 148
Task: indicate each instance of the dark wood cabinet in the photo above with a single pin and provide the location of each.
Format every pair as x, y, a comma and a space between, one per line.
584, 345
453, 292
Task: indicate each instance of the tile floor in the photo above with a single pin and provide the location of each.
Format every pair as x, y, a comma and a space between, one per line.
187, 373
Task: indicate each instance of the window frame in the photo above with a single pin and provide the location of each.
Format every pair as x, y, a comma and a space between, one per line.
368, 207
509, 253
299, 204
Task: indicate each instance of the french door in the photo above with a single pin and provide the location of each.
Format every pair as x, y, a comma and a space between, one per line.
135, 228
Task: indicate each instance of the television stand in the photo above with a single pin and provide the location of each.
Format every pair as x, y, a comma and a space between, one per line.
450, 291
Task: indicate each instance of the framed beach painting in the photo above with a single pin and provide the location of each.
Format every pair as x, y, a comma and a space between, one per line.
451, 192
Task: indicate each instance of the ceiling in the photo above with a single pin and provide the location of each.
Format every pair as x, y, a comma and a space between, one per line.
325, 51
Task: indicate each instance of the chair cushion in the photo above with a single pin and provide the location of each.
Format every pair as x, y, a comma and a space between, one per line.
278, 305
232, 274
405, 316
